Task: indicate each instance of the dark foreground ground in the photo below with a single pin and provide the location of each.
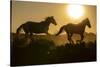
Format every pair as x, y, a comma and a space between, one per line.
42, 51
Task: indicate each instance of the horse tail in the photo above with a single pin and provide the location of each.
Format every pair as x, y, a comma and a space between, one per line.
61, 29
19, 29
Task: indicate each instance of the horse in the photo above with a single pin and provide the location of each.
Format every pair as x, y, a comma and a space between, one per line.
31, 27
79, 28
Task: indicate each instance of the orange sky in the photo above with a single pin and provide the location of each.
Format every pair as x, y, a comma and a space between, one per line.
32, 11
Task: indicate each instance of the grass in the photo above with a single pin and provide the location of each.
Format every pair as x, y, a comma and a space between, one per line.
37, 51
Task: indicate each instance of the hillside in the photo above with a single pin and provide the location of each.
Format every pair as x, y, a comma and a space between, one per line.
61, 39
49, 49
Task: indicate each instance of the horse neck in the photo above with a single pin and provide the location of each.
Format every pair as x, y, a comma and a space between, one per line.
47, 23
82, 25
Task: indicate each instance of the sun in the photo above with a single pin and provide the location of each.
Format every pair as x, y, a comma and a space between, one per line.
75, 11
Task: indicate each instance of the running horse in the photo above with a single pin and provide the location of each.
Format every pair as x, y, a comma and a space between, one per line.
79, 28
31, 27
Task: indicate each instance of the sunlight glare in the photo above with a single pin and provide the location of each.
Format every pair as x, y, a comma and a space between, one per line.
75, 11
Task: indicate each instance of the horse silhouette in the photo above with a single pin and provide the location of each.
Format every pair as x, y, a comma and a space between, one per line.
31, 27
79, 28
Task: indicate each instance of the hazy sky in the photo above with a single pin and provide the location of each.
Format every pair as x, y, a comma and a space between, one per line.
32, 11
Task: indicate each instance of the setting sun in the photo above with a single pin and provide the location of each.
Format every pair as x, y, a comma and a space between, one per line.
75, 11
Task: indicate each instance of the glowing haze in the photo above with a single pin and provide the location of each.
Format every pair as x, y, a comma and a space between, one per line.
63, 14
75, 11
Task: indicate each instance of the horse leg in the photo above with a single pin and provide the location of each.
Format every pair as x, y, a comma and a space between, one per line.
26, 34
69, 38
28, 38
82, 37
31, 35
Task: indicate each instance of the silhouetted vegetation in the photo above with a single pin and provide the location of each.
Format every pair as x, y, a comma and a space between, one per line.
43, 51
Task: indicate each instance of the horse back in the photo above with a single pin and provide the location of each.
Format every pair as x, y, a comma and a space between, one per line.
74, 28
35, 27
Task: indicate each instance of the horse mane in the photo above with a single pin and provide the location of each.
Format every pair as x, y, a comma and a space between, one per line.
45, 21
83, 21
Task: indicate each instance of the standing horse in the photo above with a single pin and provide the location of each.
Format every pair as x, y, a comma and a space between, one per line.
70, 29
31, 27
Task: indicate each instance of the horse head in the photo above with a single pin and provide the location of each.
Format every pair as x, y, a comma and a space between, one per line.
51, 20
87, 21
